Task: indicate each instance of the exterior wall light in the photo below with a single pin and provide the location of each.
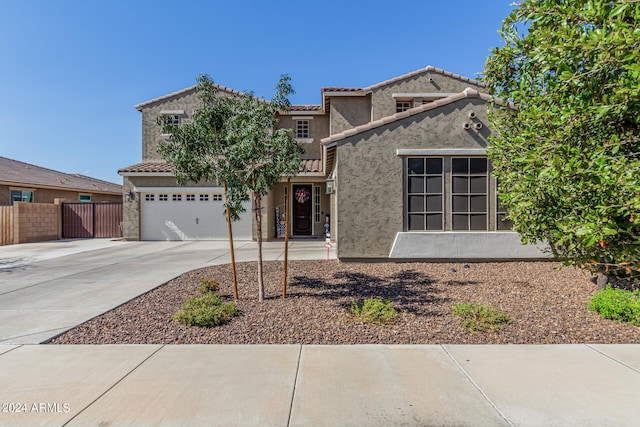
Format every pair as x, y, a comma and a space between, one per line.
330, 185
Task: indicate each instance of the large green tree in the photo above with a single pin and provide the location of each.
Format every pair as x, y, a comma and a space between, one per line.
567, 159
200, 152
235, 139
261, 152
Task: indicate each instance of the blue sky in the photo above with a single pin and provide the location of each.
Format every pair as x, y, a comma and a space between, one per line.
71, 71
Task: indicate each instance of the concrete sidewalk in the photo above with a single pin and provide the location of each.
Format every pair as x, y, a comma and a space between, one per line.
47, 288
293, 385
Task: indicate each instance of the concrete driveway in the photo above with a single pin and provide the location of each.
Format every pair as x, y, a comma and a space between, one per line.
47, 288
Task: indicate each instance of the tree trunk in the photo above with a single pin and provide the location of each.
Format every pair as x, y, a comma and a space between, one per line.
232, 252
258, 210
286, 238
601, 281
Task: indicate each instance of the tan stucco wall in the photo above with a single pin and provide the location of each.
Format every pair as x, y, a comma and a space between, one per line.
318, 129
383, 103
151, 131
369, 194
349, 112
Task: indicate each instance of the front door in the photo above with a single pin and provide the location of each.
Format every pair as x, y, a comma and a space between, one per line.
302, 210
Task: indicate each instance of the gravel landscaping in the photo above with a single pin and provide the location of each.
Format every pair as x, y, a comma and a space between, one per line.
546, 305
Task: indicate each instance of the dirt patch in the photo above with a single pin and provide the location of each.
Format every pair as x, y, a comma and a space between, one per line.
546, 304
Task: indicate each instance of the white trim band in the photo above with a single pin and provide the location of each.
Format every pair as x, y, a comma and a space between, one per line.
441, 152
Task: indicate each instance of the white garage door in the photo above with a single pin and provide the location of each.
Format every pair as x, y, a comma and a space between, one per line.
189, 215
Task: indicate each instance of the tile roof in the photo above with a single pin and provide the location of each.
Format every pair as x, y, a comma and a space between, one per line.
16, 172
158, 167
467, 93
306, 108
313, 165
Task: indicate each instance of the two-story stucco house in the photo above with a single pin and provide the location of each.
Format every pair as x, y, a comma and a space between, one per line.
399, 170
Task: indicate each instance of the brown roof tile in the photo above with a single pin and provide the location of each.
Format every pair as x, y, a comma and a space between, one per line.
14, 171
158, 167
306, 107
312, 165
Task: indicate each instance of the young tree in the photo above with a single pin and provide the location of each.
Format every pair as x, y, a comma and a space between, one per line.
567, 161
261, 153
199, 151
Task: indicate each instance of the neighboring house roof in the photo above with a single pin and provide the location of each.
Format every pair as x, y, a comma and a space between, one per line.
13, 172
331, 141
313, 165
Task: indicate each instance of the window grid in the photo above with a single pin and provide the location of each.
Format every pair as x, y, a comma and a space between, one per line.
425, 196
469, 191
204, 197
176, 197
172, 120
163, 197
402, 106
149, 197
451, 194
217, 197
318, 217
302, 129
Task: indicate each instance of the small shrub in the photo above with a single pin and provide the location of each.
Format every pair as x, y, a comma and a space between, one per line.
374, 310
617, 304
208, 286
208, 310
478, 317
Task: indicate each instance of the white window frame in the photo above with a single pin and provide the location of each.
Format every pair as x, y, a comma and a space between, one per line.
317, 195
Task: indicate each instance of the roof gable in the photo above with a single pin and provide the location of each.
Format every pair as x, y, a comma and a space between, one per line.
331, 141
146, 104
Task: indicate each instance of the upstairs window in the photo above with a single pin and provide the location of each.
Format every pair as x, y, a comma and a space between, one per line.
302, 129
402, 106
172, 119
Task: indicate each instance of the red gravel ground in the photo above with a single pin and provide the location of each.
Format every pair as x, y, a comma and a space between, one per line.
547, 304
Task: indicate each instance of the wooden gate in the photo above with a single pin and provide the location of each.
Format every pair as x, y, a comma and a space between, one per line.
89, 220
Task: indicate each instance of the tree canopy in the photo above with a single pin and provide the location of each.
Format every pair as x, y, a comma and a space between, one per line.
567, 161
235, 139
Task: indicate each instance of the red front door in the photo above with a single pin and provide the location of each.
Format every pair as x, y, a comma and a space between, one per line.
302, 201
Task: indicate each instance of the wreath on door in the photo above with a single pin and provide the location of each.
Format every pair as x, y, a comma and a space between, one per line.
302, 195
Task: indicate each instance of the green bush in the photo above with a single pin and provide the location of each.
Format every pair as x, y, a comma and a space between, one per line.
207, 310
478, 317
374, 310
617, 304
208, 286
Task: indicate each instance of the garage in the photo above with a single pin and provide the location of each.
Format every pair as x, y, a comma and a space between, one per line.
189, 214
